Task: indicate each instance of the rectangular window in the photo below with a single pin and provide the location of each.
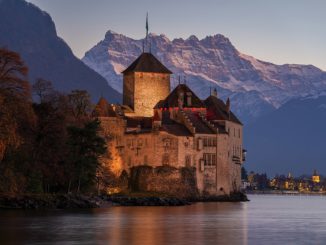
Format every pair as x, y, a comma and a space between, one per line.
209, 159
205, 142
205, 159
213, 159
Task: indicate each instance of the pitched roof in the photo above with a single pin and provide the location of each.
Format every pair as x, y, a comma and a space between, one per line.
217, 110
176, 129
147, 62
173, 127
200, 126
181, 91
103, 109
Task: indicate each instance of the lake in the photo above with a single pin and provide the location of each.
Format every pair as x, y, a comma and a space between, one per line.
266, 219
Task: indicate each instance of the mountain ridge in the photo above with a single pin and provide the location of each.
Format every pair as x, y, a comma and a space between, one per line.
289, 139
35, 39
256, 87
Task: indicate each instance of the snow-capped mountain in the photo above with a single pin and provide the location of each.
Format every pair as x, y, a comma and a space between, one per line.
254, 86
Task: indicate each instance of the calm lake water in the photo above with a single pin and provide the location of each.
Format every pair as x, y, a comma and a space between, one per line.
266, 219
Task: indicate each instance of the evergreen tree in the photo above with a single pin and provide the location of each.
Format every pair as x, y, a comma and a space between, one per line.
85, 147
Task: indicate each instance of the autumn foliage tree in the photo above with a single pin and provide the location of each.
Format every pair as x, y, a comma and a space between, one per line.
48, 146
14, 91
16, 114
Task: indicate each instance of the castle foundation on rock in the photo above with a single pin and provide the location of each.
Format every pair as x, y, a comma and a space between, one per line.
185, 145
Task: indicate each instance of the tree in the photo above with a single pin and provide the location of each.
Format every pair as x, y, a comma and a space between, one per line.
80, 104
17, 121
50, 138
13, 73
85, 147
42, 88
16, 113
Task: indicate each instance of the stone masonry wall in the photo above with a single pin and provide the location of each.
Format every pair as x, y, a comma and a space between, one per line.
179, 182
235, 150
128, 90
149, 89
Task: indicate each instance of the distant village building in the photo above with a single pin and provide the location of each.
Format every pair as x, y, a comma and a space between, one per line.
315, 177
156, 127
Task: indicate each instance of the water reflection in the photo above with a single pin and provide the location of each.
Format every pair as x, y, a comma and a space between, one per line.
196, 224
264, 220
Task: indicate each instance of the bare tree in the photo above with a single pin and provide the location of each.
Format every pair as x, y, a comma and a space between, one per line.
42, 88
80, 103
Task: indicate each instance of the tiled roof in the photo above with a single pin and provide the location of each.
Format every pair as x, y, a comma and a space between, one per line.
172, 127
181, 91
176, 129
200, 126
147, 62
217, 110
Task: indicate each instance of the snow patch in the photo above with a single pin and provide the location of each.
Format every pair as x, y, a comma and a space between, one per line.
118, 68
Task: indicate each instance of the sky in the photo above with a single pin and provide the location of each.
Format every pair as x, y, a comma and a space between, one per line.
278, 31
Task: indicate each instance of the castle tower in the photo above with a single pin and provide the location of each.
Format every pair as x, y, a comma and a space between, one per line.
145, 82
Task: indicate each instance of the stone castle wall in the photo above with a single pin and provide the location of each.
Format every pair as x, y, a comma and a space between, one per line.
129, 90
149, 89
155, 149
234, 150
179, 182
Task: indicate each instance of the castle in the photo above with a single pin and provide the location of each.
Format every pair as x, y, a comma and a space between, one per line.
156, 127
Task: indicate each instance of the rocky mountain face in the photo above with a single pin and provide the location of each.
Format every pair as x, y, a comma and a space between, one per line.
255, 87
289, 139
26, 29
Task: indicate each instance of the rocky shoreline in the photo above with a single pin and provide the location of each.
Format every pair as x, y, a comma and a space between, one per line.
69, 201
60, 201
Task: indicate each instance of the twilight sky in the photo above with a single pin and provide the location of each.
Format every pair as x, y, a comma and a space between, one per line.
279, 31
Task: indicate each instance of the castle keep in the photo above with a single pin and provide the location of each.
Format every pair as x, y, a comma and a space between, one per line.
155, 127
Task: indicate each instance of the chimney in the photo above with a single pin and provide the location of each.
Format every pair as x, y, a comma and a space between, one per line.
214, 93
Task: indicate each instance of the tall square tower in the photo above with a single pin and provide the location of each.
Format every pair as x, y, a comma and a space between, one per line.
145, 82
